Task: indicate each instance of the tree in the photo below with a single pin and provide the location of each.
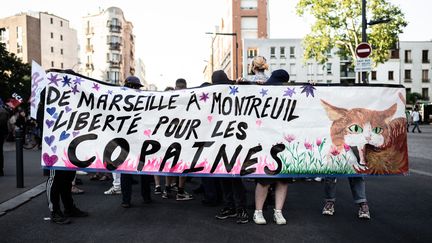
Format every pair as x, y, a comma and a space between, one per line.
338, 24
14, 76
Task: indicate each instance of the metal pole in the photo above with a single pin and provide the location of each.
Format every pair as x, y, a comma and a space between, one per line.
19, 158
236, 58
364, 36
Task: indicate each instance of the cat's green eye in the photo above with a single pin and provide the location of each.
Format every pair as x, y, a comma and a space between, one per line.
355, 128
377, 130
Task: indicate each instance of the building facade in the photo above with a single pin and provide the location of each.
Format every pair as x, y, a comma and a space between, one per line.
42, 37
108, 46
243, 19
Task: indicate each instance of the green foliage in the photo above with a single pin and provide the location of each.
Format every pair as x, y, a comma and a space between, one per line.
14, 75
412, 98
338, 24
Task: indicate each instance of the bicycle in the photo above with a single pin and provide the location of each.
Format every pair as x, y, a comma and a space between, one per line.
31, 136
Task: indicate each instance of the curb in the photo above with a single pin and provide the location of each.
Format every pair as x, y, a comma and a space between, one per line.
21, 199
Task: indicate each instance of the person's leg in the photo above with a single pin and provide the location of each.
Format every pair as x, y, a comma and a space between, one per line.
228, 211
116, 180
260, 195
239, 193
66, 189
280, 194
358, 189
53, 192
126, 188
329, 195
182, 195
145, 188
209, 185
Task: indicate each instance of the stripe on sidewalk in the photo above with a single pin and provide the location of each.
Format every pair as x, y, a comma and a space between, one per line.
420, 172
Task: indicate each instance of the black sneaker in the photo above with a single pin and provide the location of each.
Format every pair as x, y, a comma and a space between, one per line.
158, 190
242, 216
75, 212
226, 213
59, 218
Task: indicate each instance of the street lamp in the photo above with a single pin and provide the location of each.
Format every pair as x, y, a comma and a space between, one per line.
364, 27
236, 52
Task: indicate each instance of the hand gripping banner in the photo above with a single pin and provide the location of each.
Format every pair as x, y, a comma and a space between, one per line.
225, 130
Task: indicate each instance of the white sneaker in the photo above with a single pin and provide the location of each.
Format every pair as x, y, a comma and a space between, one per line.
258, 217
113, 191
80, 172
278, 217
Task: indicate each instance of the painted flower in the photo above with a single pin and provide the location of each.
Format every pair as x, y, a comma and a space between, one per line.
347, 147
308, 145
334, 151
318, 142
289, 138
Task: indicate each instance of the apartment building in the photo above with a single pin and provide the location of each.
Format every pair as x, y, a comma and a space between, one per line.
242, 19
108, 46
42, 37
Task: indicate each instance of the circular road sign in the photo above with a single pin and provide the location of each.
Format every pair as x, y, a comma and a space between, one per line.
363, 50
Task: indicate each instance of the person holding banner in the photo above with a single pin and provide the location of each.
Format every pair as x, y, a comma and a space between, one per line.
258, 67
233, 190
126, 180
277, 77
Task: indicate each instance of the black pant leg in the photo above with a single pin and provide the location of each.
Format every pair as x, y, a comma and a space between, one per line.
239, 193
66, 188
53, 191
227, 190
126, 187
2, 139
145, 187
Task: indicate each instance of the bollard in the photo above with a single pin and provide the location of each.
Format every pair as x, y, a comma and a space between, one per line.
19, 138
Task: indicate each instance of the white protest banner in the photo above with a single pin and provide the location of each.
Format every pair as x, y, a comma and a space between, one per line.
38, 82
225, 130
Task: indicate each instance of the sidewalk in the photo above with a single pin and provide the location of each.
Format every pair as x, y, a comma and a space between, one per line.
33, 175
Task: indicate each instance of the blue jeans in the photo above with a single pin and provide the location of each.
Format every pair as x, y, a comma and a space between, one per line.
357, 184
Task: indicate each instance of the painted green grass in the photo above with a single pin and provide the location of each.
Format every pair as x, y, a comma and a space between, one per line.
311, 159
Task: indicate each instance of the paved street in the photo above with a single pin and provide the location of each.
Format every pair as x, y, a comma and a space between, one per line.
401, 209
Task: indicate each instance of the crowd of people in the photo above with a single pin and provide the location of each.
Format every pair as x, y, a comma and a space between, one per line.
230, 191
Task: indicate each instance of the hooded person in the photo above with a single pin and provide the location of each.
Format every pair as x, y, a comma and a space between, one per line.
220, 77
278, 76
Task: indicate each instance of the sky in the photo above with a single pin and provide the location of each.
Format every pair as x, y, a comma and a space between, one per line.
170, 34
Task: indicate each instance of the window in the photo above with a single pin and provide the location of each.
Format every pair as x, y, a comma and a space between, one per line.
329, 81
252, 52
52, 35
407, 75
329, 68
292, 70
52, 49
272, 52
425, 56
292, 51
52, 63
249, 27
408, 90
425, 75
61, 51
248, 4
394, 54
390, 75
425, 93
61, 65
61, 37
373, 75
51, 20
61, 23
282, 52
408, 56
19, 48
328, 53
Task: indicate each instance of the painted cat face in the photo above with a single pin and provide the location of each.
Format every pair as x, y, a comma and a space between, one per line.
358, 127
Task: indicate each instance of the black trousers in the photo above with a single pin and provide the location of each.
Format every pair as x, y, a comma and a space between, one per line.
234, 192
59, 185
126, 187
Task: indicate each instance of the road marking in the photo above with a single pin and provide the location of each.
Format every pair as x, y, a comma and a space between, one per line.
421, 172
21, 198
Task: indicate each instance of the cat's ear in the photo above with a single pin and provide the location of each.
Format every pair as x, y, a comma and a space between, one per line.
388, 114
333, 112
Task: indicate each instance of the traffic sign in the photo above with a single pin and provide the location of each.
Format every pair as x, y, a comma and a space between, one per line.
363, 65
363, 50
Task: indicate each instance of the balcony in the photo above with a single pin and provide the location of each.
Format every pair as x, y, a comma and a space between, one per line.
425, 61
89, 48
425, 80
114, 46
115, 28
114, 64
407, 80
89, 31
89, 66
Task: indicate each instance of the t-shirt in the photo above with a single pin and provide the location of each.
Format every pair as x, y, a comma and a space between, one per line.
415, 116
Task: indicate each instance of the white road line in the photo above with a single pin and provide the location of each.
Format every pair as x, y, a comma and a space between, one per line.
420, 172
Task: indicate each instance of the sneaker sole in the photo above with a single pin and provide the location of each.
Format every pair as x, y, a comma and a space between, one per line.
184, 199
225, 217
328, 213
242, 221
